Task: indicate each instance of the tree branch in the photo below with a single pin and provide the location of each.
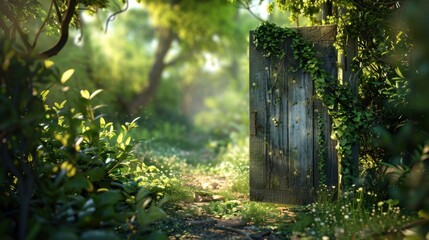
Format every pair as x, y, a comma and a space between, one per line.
15, 25
165, 39
23, 36
174, 61
60, 18
113, 15
65, 24
246, 6
5, 28
36, 38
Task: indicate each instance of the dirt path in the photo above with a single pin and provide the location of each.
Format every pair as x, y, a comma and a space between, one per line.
191, 220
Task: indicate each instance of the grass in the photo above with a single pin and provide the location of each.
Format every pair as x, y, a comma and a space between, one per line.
351, 216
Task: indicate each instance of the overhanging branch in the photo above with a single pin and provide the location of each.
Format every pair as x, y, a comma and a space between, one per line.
57, 9
15, 25
5, 28
113, 16
65, 24
36, 38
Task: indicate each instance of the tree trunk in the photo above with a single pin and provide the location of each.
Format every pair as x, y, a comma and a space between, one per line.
327, 9
165, 39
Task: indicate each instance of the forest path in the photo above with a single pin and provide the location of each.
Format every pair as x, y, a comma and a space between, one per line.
214, 201
200, 219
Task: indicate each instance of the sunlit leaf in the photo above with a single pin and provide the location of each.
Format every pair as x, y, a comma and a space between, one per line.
398, 71
99, 106
135, 119
120, 137
95, 93
65, 89
72, 171
127, 142
60, 105
141, 194
44, 94
48, 63
77, 143
102, 122
67, 75
423, 214
85, 94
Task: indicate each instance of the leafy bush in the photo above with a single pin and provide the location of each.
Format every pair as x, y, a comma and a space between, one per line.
66, 172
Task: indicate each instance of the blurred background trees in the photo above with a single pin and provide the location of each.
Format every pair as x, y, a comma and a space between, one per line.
182, 62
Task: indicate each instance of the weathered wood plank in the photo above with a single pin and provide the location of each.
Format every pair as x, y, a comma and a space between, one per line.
257, 151
283, 139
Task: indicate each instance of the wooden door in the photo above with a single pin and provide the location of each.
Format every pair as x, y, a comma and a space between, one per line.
284, 132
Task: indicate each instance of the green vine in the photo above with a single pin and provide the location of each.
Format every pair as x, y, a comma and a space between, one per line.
322, 153
349, 117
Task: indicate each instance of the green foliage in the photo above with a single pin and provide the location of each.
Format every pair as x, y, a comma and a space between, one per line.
31, 25
407, 143
234, 163
397, 90
231, 107
67, 167
258, 213
195, 22
322, 153
299, 7
355, 215
225, 210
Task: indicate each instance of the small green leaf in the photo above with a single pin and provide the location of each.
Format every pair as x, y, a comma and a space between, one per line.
102, 122
135, 119
141, 194
423, 214
109, 198
67, 75
44, 93
96, 174
398, 71
95, 93
85, 94
152, 215
120, 138
48, 63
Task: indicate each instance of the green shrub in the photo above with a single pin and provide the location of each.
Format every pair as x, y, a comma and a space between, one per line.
66, 172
